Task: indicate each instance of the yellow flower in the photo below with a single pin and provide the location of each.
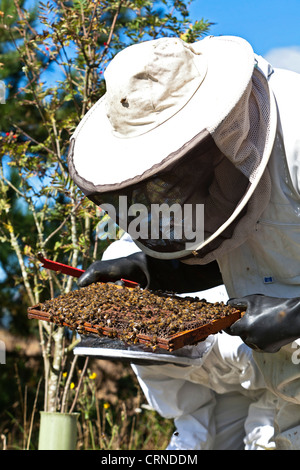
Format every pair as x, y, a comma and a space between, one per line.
93, 376
72, 385
65, 374
106, 406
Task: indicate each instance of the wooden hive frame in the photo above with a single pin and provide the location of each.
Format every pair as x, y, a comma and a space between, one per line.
169, 342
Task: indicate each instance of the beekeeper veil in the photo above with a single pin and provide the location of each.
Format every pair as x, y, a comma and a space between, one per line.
177, 148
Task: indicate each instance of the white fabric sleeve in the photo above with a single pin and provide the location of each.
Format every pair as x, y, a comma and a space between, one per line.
120, 248
190, 405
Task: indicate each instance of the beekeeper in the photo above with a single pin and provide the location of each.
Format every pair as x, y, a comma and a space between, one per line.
208, 134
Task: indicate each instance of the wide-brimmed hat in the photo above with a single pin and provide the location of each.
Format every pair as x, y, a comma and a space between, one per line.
164, 94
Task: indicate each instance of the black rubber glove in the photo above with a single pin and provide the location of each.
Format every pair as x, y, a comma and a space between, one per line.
268, 323
154, 274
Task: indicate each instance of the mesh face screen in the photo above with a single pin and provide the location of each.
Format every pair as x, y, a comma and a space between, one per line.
181, 204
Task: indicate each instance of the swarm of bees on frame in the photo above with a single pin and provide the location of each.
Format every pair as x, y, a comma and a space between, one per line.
126, 313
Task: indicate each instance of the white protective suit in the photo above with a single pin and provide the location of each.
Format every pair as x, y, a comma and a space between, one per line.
213, 391
268, 262
221, 394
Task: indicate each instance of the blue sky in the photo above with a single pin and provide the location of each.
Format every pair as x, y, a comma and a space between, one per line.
271, 26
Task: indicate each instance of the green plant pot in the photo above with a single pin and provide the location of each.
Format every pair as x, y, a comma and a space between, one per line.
58, 431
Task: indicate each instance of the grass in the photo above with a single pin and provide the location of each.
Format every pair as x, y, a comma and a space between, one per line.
115, 428
113, 414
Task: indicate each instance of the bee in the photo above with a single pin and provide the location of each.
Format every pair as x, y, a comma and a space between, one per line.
61, 318
131, 311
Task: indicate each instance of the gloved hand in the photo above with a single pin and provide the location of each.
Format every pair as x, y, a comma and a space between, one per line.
268, 323
154, 274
